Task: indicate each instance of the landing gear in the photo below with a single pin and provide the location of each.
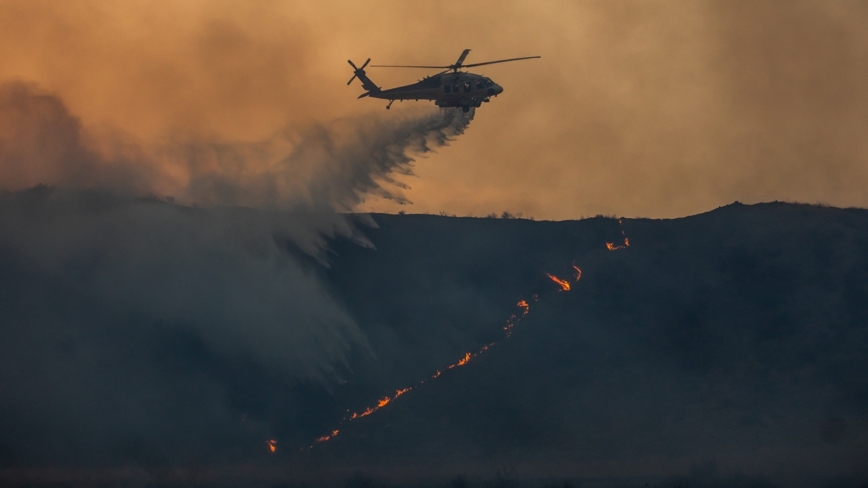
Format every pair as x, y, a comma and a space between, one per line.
390, 104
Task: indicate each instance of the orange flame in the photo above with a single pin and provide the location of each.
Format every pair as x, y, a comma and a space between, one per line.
465, 360
614, 247
513, 319
272, 444
401, 392
327, 437
383, 402
564, 284
461, 362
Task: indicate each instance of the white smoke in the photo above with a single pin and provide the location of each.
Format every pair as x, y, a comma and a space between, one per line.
210, 254
224, 268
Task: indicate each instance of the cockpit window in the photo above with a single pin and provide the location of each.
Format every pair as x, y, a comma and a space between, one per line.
480, 85
467, 86
488, 82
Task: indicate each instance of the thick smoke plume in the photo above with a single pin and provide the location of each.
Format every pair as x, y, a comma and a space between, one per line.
321, 167
146, 287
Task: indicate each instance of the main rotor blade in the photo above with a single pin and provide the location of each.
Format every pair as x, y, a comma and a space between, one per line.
366, 63
499, 61
461, 58
402, 66
351, 64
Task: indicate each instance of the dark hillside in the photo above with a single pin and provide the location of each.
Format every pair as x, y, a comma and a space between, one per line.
731, 343
735, 337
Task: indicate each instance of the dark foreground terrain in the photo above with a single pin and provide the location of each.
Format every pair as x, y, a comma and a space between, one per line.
723, 349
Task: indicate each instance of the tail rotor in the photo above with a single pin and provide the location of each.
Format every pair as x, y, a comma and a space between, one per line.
358, 71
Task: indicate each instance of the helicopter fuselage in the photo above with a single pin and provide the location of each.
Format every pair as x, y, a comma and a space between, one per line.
446, 90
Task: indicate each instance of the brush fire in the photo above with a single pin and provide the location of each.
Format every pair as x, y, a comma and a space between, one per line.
564, 284
524, 309
614, 247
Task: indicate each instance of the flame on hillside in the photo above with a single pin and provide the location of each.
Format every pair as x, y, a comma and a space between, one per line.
328, 436
272, 444
524, 309
461, 362
564, 284
514, 318
614, 247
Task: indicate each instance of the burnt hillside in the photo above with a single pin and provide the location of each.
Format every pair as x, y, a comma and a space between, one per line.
734, 337
137, 332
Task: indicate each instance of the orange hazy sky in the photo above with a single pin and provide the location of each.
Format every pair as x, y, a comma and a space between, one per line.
637, 108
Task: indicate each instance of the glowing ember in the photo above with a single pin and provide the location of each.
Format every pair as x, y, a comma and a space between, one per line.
436, 374
272, 444
383, 402
513, 319
578, 272
401, 392
327, 437
612, 246
460, 362
564, 284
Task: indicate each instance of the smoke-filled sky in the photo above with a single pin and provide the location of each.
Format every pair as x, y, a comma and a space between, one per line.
657, 108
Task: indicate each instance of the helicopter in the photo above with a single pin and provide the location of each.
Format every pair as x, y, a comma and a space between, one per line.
449, 88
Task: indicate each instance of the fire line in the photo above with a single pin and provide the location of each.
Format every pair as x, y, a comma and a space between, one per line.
524, 309
564, 284
614, 247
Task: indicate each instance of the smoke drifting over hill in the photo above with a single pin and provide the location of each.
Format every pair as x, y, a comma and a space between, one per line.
318, 167
126, 320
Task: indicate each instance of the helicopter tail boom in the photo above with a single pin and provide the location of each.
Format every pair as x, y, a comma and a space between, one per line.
359, 73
